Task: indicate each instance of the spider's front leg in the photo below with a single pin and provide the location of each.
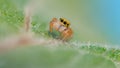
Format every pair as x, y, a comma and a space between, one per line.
51, 27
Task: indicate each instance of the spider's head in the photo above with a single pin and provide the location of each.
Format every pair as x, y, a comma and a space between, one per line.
65, 22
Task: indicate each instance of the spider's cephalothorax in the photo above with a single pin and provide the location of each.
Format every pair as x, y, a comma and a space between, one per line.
65, 22
63, 27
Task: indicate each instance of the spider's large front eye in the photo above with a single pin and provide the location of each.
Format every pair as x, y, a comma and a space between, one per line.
65, 22
61, 20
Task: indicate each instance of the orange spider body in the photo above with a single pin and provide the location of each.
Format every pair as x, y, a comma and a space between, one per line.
62, 26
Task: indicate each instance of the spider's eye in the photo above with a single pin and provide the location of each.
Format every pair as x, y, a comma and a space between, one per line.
65, 22
61, 19
68, 24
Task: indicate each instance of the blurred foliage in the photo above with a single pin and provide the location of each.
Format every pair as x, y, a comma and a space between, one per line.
95, 49
60, 57
11, 20
111, 53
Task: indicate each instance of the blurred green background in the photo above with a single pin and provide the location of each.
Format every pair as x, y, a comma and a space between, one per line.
92, 20
62, 57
